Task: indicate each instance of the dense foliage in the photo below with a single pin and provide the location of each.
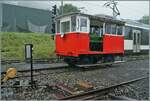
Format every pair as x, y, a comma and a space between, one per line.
67, 8
144, 19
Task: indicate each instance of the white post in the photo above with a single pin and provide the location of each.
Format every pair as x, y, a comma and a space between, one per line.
104, 28
56, 27
123, 30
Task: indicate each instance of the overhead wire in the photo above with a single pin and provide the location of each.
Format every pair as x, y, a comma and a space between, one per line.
94, 9
132, 10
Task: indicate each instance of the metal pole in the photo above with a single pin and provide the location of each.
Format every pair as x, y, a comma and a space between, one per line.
31, 71
31, 63
28, 57
15, 25
149, 15
61, 7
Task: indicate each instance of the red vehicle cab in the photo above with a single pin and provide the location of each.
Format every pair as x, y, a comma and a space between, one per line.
86, 39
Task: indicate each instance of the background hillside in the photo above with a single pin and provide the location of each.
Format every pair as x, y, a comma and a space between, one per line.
12, 45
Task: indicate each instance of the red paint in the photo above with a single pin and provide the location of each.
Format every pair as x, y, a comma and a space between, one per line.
113, 43
74, 44
71, 44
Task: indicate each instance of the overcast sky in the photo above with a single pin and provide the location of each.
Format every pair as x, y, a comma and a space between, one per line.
128, 9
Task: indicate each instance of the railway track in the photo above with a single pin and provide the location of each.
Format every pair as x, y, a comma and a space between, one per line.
38, 72
98, 93
57, 70
46, 60
63, 69
43, 60
90, 96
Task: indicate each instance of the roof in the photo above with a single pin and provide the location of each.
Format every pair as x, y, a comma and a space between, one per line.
96, 17
136, 24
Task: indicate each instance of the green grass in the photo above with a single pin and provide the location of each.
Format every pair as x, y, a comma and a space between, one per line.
13, 43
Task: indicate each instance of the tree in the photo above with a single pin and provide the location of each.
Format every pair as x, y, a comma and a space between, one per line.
67, 8
144, 19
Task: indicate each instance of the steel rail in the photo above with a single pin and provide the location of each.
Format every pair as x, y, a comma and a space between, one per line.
38, 69
65, 67
97, 92
54, 68
48, 60
40, 73
42, 60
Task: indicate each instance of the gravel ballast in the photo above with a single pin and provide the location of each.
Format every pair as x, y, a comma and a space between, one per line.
100, 77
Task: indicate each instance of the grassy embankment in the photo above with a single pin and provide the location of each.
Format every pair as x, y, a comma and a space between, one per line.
12, 45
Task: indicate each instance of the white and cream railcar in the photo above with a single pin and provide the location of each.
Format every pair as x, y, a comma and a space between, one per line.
136, 37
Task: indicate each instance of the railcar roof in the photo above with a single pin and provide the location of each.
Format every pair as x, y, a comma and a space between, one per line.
136, 24
95, 17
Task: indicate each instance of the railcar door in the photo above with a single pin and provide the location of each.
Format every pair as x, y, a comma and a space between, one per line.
136, 40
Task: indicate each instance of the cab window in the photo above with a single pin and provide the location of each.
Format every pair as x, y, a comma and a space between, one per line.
65, 26
113, 29
119, 30
108, 28
73, 23
83, 24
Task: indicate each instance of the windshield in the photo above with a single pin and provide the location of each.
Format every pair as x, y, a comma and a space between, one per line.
65, 27
114, 29
83, 24
73, 24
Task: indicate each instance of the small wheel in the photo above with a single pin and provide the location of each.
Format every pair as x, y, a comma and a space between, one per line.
109, 58
71, 62
85, 60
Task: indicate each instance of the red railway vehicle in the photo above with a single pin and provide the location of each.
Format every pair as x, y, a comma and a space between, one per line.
87, 39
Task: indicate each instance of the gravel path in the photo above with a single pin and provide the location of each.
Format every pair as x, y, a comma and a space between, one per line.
100, 77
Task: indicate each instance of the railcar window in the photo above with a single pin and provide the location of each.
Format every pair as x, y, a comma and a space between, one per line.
101, 31
119, 30
138, 38
83, 24
73, 23
108, 29
134, 35
145, 37
113, 29
128, 33
65, 26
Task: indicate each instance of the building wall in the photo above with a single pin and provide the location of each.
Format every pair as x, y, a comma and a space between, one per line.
24, 19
